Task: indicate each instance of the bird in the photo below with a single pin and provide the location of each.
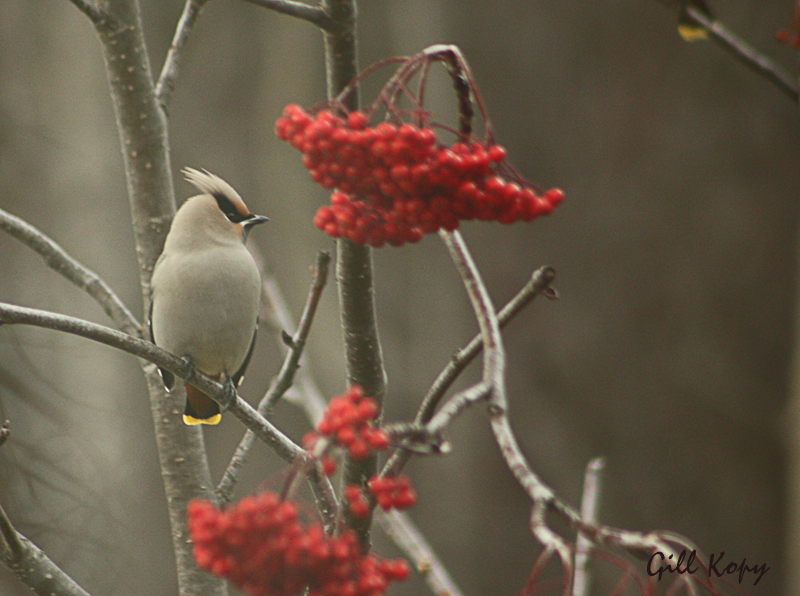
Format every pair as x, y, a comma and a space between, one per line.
206, 291
688, 29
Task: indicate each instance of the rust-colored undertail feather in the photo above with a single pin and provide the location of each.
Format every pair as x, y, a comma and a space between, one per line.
200, 409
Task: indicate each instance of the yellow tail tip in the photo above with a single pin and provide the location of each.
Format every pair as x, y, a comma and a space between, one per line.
192, 421
691, 32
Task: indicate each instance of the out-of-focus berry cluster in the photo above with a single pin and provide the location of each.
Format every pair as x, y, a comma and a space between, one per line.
261, 546
390, 492
788, 37
396, 182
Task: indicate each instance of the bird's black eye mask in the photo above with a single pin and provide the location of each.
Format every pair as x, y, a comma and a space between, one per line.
228, 208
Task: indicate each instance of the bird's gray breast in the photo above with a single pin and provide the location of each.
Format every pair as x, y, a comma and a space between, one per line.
205, 305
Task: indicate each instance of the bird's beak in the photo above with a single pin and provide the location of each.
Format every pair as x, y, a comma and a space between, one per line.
254, 220
251, 221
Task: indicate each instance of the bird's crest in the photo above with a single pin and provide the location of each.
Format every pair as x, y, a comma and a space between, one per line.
211, 184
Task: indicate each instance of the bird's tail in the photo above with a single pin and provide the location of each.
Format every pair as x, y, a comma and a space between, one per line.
200, 409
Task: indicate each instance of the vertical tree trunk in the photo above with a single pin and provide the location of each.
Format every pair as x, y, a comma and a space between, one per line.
145, 148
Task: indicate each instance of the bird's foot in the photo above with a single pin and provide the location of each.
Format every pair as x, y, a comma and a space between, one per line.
192, 368
230, 394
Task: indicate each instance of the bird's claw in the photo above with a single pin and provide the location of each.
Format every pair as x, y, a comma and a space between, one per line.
230, 394
191, 366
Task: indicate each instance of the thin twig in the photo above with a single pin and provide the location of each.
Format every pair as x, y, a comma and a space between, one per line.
286, 375
169, 71
401, 529
494, 376
494, 356
313, 14
590, 507
305, 393
457, 404
31, 565
551, 540
284, 378
57, 259
539, 283
5, 431
96, 14
744, 52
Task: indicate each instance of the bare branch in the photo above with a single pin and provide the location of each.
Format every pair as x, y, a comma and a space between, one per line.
282, 445
538, 283
744, 52
457, 404
61, 262
31, 566
402, 530
91, 10
494, 358
263, 429
145, 146
552, 541
590, 506
5, 431
354, 272
493, 376
305, 393
169, 71
313, 14
284, 378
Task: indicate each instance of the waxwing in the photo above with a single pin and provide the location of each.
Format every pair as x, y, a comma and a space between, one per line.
206, 290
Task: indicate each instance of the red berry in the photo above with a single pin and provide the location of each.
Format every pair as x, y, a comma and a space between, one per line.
496, 153
357, 120
328, 465
359, 450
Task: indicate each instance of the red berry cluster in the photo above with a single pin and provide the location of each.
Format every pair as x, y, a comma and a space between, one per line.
357, 501
396, 181
349, 421
392, 492
261, 546
788, 37
389, 491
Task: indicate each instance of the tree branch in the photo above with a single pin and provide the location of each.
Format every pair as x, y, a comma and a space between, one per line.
91, 10
354, 272
263, 429
401, 529
494, 377
744, 52
283, 380
305, 393
494, 357
590, 506
538, 283
31, 565
57, 259
282, 445
169, 71
298, 340
313, 14
144, 140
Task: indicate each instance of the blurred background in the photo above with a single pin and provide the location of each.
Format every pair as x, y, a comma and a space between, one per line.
668, 352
